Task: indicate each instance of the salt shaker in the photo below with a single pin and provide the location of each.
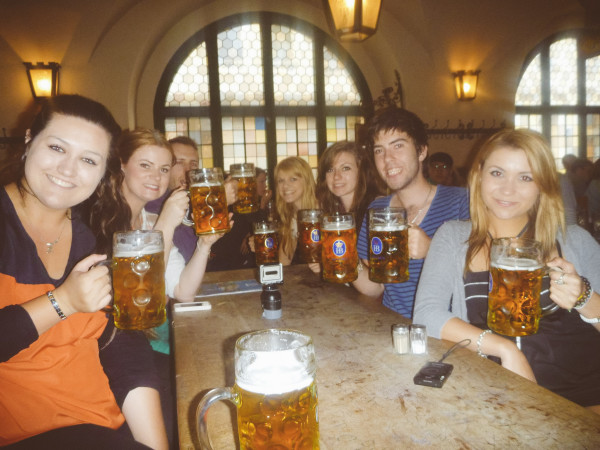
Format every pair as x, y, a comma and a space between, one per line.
418, 339
400, 338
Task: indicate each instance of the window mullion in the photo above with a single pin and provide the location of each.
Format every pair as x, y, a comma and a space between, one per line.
270, 130
215, 96
320, 113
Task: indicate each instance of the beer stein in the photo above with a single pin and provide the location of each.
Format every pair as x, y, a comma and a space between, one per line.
339, 256
275, 392
266, 243
208, 201
309, 235
516, 271
388, 245
247, 201
138, 276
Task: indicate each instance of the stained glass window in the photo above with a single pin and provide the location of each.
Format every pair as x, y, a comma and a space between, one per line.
549, 97
190, 84
563, 72
592, 81
279, 87
240, 66
293, 74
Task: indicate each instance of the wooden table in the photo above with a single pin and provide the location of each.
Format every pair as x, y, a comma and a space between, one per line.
367, 398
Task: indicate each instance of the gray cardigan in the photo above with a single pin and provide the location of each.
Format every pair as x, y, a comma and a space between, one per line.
441, 292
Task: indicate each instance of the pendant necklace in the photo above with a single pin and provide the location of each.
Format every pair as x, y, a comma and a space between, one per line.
422, 206
50, 245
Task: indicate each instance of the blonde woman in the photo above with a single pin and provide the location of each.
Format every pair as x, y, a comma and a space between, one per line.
515, 191
295, 190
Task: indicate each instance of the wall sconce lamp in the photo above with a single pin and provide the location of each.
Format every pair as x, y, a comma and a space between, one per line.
353, 20
466, 84
43, 79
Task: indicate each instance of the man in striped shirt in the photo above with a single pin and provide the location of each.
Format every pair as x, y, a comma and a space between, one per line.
398, 141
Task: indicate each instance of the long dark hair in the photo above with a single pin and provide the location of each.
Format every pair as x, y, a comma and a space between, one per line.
368, 185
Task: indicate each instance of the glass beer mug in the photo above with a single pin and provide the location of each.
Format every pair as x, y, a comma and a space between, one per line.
516, 271
266, 243
138, 276
388, 245
275, 392
339, 256
245, 175
208, 201
309, 235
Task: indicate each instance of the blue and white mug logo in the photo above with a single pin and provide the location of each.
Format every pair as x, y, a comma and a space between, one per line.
376, 245
339, 248
269, 242
315, 235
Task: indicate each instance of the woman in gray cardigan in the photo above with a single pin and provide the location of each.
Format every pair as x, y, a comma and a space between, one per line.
514, 191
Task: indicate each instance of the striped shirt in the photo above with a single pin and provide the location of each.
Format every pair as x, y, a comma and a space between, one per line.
448, 203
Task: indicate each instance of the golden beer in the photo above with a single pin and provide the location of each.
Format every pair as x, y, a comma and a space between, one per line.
139, 290
275, 392
388, 254
281, 421
209, 206
339, 256
309, 235
247, 194
266, 247
514, 299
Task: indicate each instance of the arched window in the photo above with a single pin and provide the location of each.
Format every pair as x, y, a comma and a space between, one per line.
258, 88
559, 94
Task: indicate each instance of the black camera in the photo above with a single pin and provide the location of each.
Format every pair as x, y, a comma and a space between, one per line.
433, 374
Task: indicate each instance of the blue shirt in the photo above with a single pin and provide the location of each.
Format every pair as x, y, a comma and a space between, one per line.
449, 203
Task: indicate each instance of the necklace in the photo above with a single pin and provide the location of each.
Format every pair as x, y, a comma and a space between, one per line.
423, 205
50, 245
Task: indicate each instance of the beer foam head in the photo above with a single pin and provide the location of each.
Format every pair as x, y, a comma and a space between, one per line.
337, 226
125, 251
389, 227
512, 263
276, 363
206, 183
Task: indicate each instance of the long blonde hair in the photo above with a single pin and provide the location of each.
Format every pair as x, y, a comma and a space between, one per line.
287, 211
546, 217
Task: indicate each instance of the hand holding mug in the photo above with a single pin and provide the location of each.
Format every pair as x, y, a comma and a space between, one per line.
87, 288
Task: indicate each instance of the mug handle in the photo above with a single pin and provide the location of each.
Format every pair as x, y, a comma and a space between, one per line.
107, 263
552, 307
207, 401
187, 220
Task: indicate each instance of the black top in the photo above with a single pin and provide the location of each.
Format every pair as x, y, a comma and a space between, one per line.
564, 354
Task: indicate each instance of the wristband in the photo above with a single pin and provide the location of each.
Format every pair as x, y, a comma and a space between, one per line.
585, 295
588, 320
56, 306
479, 340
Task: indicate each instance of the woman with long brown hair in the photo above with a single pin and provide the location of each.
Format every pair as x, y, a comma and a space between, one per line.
347, 181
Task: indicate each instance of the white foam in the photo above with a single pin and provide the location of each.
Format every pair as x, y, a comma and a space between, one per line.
388, 227
130, 253
511, 263
206, 183
336, 227
274, 373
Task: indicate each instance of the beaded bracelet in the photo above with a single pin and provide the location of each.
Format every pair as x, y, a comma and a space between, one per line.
585, 296
479, 340
56, 306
